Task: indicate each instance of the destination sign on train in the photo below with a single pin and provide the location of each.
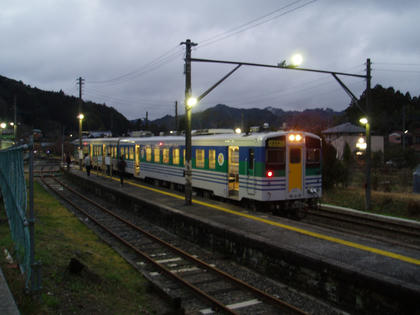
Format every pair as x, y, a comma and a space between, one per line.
275, 143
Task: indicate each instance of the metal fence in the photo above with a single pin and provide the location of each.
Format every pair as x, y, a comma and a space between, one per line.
21, 223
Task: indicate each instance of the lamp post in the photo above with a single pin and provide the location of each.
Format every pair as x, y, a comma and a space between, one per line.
365, 121
189, 103
80, 117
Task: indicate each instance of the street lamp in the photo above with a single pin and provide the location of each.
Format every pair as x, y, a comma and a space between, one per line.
365, 121
297, 60
80, 117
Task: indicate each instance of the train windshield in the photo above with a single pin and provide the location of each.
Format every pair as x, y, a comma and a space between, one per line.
275, 156
313, 152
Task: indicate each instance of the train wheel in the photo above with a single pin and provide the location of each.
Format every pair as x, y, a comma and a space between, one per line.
300, 213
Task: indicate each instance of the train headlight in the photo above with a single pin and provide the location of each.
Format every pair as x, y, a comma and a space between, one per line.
270, 173
295, 137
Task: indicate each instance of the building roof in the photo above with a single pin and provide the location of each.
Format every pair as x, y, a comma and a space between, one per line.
344, 128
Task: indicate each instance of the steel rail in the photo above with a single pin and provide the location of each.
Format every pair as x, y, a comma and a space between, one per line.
199, 292
260, 293
368, 221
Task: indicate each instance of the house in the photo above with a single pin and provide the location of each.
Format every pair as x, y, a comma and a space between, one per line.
355, 136
411, 139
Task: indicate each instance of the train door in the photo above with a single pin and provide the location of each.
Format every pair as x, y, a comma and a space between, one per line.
295, 168
137, 160
103, 155
250, 172
233, 170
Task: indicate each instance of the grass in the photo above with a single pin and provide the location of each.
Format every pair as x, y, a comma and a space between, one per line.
391, 193
109, 285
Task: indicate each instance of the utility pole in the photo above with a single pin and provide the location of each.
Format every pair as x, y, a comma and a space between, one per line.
188, 175
403, 127
80, 83
147, 121
15, 119
176, 116
368, 133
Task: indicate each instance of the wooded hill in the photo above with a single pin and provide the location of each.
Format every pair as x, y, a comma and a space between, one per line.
55, 113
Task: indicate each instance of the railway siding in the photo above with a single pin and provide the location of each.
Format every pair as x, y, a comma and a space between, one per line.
335, 281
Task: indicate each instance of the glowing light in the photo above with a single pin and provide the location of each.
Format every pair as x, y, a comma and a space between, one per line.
297, 60
361, 144
80, 116
160, 143
191, 101
238, 131
269, 173
292, 137
298, 137
363, 120
3, 125
12, 123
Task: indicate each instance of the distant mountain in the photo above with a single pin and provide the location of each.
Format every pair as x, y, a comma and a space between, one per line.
223, 116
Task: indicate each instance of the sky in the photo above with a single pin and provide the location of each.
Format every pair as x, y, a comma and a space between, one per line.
129, 54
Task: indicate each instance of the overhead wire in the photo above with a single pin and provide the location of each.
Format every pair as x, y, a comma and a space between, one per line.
156, 63
254, 23
174, 52
298, 87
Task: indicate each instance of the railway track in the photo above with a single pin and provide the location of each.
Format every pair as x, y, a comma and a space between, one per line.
398, 231
45, 167
214, 290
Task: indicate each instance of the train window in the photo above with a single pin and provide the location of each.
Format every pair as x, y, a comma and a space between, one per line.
313, 156
313, 152
212, 159
294, 155
115, 152
156, 153
175, 156
131, 154
184, 156
165, 155
126, 153
148, 154
251, 157
275, 159
199, 158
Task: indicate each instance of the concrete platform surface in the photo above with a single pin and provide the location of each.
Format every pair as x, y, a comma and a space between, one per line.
7, 302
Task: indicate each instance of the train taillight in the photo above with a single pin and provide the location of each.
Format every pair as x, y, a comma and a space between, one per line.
270, 174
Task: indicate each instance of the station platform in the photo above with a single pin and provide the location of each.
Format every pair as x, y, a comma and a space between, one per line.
360, 274
7, 302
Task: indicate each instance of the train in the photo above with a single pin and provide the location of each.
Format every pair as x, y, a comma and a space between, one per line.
276, 171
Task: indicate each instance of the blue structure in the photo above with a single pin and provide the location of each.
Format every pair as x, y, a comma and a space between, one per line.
416, 180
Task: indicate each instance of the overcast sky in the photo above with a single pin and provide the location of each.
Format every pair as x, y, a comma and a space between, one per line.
130, 56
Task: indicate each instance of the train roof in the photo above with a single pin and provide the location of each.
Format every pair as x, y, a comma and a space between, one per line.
252, 139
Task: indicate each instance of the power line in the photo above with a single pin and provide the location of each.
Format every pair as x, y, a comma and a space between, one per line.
397, 70
148, 67
398, 64
251, 24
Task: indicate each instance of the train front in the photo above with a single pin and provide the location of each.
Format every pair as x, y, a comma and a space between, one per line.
294, 159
